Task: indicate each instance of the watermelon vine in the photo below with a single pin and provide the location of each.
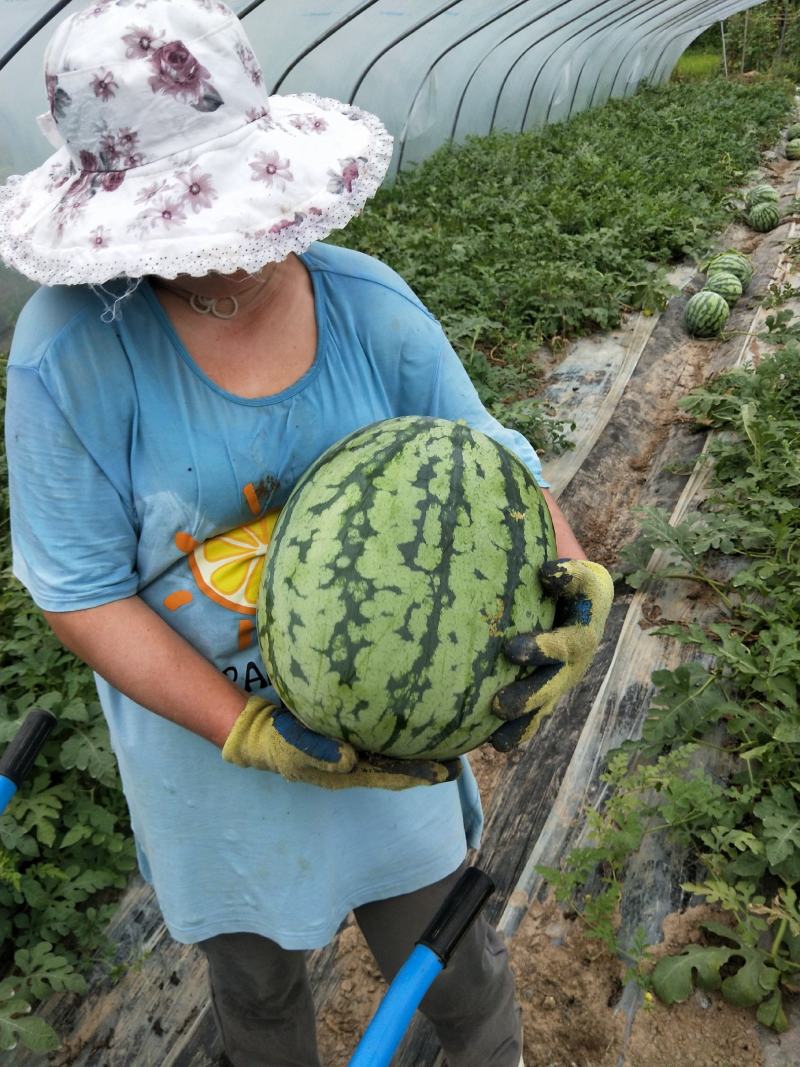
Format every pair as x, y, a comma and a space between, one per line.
518, 240
740, 826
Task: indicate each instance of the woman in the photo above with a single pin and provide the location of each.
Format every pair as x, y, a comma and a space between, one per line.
151, 439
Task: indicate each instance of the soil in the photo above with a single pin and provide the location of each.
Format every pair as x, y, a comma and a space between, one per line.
354, 1001
702, 1032
565, 985
568, 987
357, 995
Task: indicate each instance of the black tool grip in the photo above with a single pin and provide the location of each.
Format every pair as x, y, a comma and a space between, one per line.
18, 758
458, 912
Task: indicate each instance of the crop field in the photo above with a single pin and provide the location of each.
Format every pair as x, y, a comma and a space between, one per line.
518, 241
560, 264
695, 66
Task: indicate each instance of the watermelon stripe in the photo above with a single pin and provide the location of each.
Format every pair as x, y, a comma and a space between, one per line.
402, 559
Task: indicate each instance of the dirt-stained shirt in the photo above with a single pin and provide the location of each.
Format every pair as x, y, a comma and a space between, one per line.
133, 473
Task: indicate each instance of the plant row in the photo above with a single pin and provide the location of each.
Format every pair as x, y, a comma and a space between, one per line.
716, 767
516, 240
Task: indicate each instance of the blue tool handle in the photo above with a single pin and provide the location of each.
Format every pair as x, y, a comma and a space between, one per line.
19, 756
390, 1022
431, 954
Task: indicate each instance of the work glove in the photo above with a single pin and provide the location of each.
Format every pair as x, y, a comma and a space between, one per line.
559, 658
271, 738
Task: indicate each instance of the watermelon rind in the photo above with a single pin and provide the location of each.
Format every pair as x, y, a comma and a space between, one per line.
726, 284
793, 148
732, 262
759, 194
401, 562
706, 313
793, 133
764, 217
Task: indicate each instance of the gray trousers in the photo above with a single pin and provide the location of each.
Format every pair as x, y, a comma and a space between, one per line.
262, 999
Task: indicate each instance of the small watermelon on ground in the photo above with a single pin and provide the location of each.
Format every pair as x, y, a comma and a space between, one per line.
793, 133
401, 562
759, 194
793, 149
706, 313
732, 262
764, 217
726, 284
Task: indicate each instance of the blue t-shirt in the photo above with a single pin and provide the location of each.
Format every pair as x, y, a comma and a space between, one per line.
131, 472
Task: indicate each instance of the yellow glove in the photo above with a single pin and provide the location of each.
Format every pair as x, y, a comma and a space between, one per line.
270, 738
558, 659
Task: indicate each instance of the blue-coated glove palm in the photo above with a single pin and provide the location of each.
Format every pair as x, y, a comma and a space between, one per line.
271, 738
559, 658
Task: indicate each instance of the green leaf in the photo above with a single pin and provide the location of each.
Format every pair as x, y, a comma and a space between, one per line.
673, 977
18, 1025
787, 731
751, 983
77, 833
45, 972
770, 1013
780, 819
89, 750
33, 1032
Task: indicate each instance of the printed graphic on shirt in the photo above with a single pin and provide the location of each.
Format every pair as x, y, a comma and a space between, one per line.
227, 567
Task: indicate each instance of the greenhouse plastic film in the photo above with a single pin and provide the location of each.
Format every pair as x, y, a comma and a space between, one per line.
435, 71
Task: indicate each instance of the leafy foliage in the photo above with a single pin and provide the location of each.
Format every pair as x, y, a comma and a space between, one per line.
767, 40
740, 819
65, 844
16, 1024
516, 240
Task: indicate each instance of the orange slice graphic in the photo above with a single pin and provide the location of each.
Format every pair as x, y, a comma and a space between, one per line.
228, 568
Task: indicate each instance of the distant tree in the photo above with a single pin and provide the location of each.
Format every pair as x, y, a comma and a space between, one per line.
765, 38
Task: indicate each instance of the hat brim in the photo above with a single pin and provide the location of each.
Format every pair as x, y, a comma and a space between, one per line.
250, 197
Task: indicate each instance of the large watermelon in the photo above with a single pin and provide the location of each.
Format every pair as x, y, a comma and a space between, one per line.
764, 217
705, 314
734, 263
793, 133
793, 149
726, 284
761, 193
401, 562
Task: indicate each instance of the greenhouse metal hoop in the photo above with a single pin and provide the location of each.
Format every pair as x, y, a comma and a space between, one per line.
632, 18
718, 8
699, 15
31, 32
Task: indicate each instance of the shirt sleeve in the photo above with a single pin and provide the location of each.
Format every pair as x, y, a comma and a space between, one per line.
73, 536
419, 366
455, 397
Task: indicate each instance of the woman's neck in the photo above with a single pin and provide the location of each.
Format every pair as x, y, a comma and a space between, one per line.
235, 295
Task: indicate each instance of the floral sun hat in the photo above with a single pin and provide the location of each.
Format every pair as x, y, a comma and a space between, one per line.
173, 158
